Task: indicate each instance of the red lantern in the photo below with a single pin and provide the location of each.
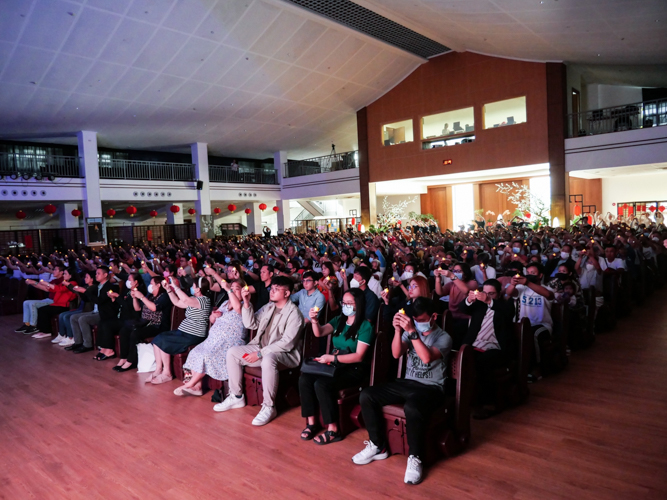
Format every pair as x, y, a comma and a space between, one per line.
174, 209
76, 212
247, 211
354, 221
131, 210
652, 208
359, 227
21, 215
192, 211
50, 209
527, 215
661, 208
275, 209
153, 213
262, 206
231, 207
577, 210
590, 220
111, 212
216, 210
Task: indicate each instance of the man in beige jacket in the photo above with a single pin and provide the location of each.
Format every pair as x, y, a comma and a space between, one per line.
277, 345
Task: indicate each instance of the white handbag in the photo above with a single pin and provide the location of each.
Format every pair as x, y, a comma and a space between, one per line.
146, 358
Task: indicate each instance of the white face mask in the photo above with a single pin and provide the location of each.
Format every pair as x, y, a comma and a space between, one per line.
354, 283
150, 288
534, 252
128, 285
407, 275
575, 254
565, 255
655, 238
500, 252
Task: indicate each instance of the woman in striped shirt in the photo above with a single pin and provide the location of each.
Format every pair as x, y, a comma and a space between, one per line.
191, 331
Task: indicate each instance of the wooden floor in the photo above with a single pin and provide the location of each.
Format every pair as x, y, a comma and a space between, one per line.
71, 428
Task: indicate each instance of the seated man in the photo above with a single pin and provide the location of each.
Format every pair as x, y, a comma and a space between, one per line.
309, 297
534, 304
279, 326
422, 391
490, 335
361, 278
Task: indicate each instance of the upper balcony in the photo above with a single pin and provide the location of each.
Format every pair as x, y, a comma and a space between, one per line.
242, 175
617, 119
38, 166
322, 164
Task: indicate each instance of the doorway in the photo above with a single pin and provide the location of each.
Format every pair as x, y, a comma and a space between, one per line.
576, 109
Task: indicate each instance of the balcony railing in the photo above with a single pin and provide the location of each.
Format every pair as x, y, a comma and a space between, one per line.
44, 166
242, 175
147, 170
321, 164
631, 116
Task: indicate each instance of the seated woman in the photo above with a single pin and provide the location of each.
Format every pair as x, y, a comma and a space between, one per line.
191, 331
457, 290
86, 294
62, 296
155, 308
210, 357
352, 334
417, 287
128, 317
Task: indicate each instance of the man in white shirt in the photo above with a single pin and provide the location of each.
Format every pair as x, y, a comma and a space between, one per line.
611, 261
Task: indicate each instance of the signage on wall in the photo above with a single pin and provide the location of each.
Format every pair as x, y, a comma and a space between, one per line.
446, 162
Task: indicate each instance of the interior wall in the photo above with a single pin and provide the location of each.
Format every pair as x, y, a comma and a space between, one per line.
450, 82
606, 96
438, 201
591, 189
492, 200
574, 81
629, 188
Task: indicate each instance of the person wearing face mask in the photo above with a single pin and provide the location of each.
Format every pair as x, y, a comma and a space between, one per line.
491, 336
457, 289
155, 309
352, 338
127, 317
418, 287
190, 332
535, 304
360, 279
426, 348
562, 257
279, 340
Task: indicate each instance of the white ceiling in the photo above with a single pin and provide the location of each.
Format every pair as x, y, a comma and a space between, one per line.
605, 173
251, 77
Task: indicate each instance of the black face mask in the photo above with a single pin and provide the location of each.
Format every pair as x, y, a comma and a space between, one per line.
531, 278
562, 276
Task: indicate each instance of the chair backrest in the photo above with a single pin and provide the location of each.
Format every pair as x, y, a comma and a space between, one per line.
382, 359
524, 352
177, 316
311, 343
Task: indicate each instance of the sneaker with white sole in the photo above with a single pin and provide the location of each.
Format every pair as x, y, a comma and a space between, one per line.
265, 415
230, 403
67, 342
30, 330
41, 335
58, 339
369, 454
413, 472
22, 328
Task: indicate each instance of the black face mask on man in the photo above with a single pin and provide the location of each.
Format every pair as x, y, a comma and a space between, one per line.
531, 278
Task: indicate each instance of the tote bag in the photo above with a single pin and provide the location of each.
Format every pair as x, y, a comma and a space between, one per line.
146, 358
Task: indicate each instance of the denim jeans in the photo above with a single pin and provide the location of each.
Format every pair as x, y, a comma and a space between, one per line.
64, 326
30, 309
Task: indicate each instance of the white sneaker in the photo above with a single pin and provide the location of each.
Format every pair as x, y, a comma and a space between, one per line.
369, 454
58, 339
230, 403
67, 342
413, 472
41, 336
265, 415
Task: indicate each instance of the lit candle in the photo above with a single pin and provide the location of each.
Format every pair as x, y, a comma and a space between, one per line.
316, 309
245, 287
328, 278
401, 311
518, 276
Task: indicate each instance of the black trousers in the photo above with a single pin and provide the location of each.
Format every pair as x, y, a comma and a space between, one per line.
44, 315
314, 389
107, 330
486, 364
419, 402
130, 336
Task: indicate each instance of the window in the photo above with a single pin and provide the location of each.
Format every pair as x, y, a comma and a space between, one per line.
459, 121
503, 113
463, 205
397, 133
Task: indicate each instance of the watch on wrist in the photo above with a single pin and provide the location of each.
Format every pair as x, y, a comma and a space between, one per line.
413, 336
259, 354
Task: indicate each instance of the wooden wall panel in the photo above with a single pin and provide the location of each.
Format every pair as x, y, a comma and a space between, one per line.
454, 81
438, 201
591, 189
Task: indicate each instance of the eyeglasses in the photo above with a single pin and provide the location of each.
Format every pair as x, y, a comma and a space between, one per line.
412, 287
307, 280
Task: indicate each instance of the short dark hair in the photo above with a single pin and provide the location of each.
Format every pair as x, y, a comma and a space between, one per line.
423, 305
364, 272
494, 283
310, 274
270, 268
537, 265
283, 281
104, 269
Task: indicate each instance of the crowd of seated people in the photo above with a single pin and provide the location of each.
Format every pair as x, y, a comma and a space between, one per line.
248, 301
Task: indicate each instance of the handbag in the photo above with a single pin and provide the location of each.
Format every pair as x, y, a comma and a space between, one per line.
313, 367
146, 357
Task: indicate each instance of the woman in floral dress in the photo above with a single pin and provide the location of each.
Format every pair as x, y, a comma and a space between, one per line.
210, 357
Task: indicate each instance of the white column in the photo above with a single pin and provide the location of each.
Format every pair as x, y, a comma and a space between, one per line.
254, 220
89, 167
279, 160
174, 218
66, 219
283, 215
203, 204
372, 204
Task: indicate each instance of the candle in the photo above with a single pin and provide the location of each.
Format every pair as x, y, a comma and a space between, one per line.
245, 287
518, 276
401, 311
328, 278
316, 309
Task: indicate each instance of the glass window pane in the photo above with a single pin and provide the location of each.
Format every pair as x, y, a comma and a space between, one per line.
463, 205
397, 133
458, 121
503, 113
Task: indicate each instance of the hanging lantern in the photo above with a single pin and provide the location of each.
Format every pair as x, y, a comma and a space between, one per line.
231, 207
192, 211
275, 209
111, 212
76, 212
262, 206
247, 211
20, 215
354, 221
577, 210
590, 220
174, 209
50, 209
216, 211
131, 210
359, 227
153, 213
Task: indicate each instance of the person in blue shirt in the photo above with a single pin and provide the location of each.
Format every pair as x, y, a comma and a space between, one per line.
309, 296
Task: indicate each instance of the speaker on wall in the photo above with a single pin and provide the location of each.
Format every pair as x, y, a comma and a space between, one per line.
200, 185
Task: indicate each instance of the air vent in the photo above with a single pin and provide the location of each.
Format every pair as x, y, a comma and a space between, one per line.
366, 21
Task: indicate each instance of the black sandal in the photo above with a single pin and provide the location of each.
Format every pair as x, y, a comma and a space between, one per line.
329, 437
102, 357
309, 432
